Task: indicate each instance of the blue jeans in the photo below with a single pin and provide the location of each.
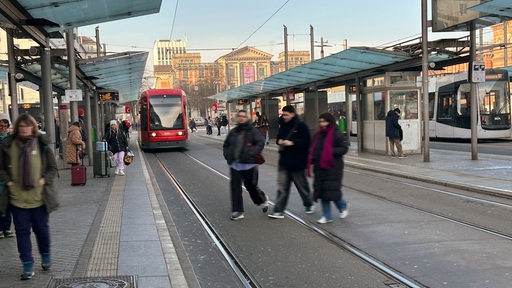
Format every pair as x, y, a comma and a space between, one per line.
326, 207
37, 218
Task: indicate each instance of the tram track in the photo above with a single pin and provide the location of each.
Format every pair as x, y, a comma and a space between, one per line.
242, 273
400, 280
434, 213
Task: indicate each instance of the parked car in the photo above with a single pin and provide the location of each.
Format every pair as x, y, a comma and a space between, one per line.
199, 121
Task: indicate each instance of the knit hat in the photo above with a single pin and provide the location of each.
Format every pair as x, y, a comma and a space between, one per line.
113, 122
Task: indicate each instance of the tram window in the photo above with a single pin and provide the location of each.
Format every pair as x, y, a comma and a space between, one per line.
463, 107
379, 106
445, 106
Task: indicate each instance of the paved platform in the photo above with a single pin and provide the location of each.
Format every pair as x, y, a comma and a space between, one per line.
113, 228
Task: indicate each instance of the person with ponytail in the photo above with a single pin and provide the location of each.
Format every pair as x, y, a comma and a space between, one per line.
326, 157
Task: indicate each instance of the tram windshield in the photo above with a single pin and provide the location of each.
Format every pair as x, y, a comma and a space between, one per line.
165, 112
494, 102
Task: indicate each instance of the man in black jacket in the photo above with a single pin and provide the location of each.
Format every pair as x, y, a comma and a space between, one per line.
293, 139
240, 148
394, 132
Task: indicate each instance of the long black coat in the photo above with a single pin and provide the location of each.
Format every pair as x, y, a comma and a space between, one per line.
253, 144
294, 157
327, 182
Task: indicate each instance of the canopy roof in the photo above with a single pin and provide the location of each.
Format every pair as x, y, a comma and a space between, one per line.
494, 7
42, 19
346, 62
120, 72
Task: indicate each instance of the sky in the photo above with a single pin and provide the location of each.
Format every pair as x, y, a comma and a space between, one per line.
214, 28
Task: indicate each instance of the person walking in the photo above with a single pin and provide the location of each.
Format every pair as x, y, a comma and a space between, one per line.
192, 125
293, 140
5, 218
118, 145
74, 144
28, 169
326, 157
242, 145
394, 133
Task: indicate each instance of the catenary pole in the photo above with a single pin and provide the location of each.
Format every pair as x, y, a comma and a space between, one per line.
424, 82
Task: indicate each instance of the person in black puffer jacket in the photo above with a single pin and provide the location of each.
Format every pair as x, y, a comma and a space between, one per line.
117, 144
293, 139
240, 149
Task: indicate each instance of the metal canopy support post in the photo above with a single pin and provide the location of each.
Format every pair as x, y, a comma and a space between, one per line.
12, 77
474, 91
348, 116
359, 117
88, 122
47, 96
95, 116
70, 43
424, 82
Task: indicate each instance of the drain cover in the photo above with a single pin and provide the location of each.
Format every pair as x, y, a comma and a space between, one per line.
94, 282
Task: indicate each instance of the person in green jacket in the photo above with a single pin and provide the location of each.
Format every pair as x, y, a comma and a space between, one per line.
28, 169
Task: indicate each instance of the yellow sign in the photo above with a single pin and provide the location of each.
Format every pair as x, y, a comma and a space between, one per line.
26, 106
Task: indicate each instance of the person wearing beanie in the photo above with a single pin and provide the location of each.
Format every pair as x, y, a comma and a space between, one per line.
394, 132
240, 149
293, 139
326, 157
118, 145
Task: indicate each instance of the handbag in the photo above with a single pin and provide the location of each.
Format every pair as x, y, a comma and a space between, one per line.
259, 159
111, 160
128, 157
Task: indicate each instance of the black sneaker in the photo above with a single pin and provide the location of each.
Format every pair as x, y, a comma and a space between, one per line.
8, 234
264, 206
27, 275
237, 215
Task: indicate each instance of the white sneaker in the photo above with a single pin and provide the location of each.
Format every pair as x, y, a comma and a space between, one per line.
323, 220
121, 173
116, 172
344, 213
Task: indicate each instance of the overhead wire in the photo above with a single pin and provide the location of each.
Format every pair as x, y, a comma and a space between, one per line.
286, 2
174, 19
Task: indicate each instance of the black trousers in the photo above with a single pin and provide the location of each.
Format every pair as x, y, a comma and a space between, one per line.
250, 180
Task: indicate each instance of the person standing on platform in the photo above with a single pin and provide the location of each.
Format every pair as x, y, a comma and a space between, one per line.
74, 144
5, 218
192, 125
293, 140
28, 169
326, 156
242, 145
118, 145
394, 133
218, 124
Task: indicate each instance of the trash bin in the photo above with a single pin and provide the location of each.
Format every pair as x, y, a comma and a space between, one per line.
342, 124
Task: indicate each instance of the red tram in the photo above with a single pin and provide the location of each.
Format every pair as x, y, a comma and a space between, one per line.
163, 119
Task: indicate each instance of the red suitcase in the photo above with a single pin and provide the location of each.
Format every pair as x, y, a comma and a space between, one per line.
78, 173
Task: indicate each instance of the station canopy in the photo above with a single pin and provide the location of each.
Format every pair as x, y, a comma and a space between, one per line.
347, 62
42, 19
494, 7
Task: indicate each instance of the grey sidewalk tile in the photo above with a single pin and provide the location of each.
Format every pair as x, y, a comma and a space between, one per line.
153, 282
143, 258
130, 232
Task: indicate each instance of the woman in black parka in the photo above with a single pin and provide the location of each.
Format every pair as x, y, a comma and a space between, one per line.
326, 156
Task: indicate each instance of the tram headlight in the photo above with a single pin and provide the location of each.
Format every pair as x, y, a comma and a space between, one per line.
153, 134
180, 133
